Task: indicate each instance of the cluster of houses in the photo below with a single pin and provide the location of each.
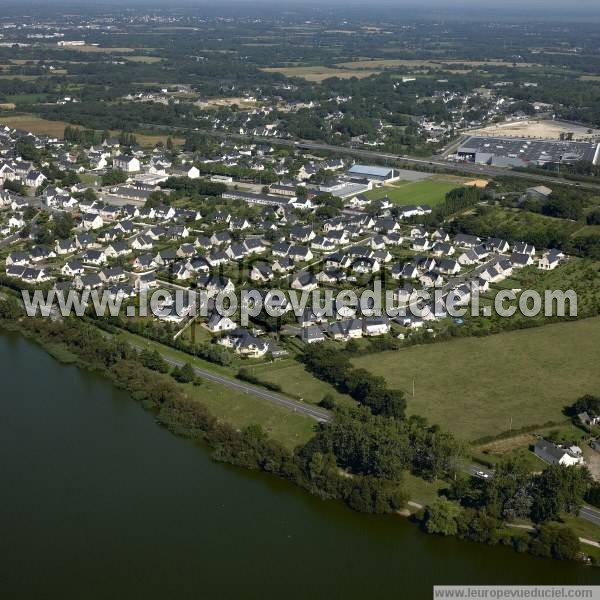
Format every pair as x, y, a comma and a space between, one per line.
122, 244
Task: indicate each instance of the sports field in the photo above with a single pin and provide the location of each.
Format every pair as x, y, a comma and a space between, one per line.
414, 192
475, 386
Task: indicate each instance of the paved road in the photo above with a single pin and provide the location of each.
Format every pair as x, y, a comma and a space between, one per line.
7, 241
590, 514
315, 412
479, 472
427, 163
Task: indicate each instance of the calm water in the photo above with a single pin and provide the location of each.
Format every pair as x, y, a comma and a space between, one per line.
96, 501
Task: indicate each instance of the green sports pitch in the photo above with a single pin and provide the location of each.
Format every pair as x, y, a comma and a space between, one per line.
414, 192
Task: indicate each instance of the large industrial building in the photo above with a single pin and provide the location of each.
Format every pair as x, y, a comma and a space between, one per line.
522, 152
373, 173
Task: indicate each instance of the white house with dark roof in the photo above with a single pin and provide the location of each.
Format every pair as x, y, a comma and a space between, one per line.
129, 164
557, 455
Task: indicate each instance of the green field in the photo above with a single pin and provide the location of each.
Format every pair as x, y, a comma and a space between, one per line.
235, 407
475, 386
414, 192
295, 381
240, 410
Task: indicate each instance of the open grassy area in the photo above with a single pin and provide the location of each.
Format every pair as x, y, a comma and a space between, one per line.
421, 491
240, 410
319, 73
97, 49
415, 192
295, 381
390, 63
140, 58
475, 386
41, 126
235, 407
35, 124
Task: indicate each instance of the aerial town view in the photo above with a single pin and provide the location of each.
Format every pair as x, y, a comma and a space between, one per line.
299, 299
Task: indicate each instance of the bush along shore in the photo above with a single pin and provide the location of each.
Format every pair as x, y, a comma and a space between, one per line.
360, 458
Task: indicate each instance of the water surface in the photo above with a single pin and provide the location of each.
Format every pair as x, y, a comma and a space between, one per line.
97, 501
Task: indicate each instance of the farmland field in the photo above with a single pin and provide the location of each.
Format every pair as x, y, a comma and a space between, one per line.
376, 63
528, 376
41, 126
319, 73
417, 192
35, 125
100, 49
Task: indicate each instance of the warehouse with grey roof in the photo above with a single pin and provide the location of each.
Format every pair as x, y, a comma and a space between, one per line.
521, 152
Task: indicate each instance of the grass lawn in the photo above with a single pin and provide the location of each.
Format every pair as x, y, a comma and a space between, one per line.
143, 59
295, 381
235, 407
25, 98
533, 463
240, 410
474, 386
583, 528
89, 178
138, 340
414, 192
421, 491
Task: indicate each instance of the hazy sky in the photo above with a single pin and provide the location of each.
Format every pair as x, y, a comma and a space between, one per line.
533, 8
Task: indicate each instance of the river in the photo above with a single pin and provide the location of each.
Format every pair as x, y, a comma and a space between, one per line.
97, 501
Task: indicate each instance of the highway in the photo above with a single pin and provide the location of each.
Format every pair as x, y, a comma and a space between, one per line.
478, 171
319, 414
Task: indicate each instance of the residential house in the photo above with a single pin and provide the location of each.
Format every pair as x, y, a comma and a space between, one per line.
557, 455
376, 325
129, 164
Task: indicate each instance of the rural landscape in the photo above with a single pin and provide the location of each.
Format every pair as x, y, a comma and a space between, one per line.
352, 254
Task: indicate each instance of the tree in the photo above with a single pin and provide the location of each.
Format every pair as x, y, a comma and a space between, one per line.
152, 359
90, 195
14, 186
441, 517
593, 495
508, 493
9, 308
558, 489
587, 403
185, 374
63, 224
27, 151
156, 198
114, 177
555, 541
328, 402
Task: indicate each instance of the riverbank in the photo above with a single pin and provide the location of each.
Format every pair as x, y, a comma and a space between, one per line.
97, 498
249, 447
